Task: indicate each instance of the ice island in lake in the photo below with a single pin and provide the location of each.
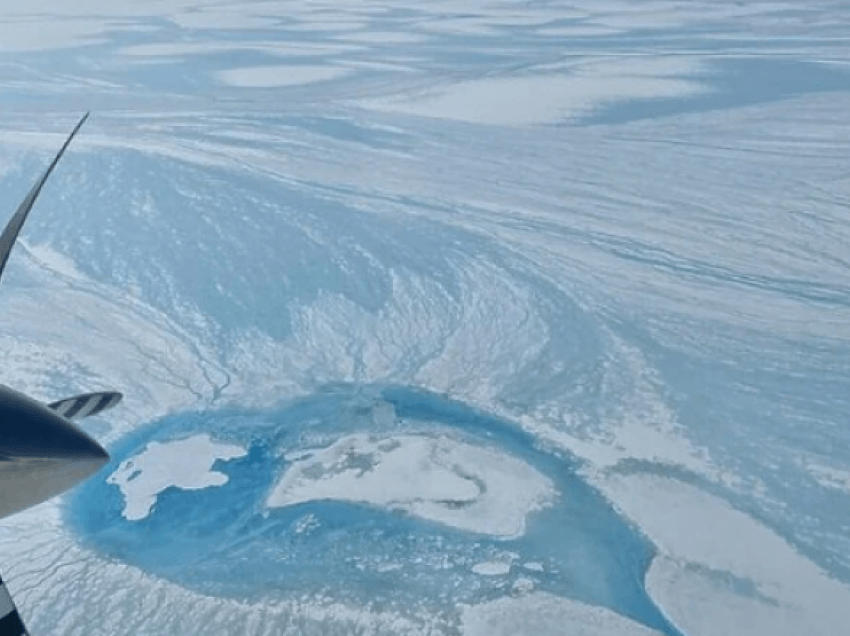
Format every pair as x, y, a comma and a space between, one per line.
185, 464
458, 484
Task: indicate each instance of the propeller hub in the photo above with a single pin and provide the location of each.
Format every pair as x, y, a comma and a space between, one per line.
42, 454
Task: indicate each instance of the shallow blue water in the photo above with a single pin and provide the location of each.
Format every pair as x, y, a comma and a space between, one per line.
223, 541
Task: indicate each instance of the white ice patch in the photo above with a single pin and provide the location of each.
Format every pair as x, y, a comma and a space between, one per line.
229, 15
272, 76
185, 464
179, 49
579, 30
544, 614
385, 37
721, 573
25, 35
435, 478
539, 99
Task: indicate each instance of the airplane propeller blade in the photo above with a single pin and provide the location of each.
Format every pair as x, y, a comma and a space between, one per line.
13, 227
42, 454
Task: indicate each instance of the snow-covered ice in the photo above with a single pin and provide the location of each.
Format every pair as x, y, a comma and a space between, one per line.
453, 275
439, 479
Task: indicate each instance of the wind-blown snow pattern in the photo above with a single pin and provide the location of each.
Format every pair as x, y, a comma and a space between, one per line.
468, 318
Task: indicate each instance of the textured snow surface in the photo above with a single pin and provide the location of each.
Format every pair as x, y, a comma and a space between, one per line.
540, 613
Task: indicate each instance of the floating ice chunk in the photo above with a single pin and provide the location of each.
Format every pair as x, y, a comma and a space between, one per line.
278, 75
437, 478
491, 568
185, 464
305, 524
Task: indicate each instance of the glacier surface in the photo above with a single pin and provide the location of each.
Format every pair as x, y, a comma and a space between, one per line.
481, 317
